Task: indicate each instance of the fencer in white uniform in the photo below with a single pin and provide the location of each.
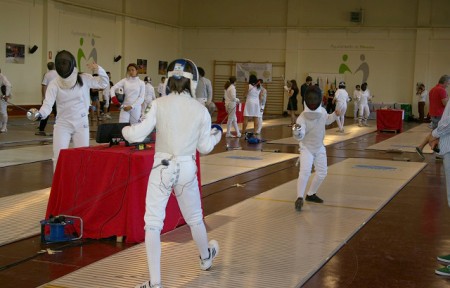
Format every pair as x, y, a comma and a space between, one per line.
5, 95
356, 96
364, 111
341, 99
231, 102
106, 93
134, 89
178, 136
252, 106
309, 130
70, 90
262, 105
149, 94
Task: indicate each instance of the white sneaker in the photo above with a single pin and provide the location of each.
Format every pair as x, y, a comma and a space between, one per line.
239, 135
230, 136
206, 264
147, 285
4, 130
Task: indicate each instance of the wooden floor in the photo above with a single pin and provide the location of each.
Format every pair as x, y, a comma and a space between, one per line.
396, 248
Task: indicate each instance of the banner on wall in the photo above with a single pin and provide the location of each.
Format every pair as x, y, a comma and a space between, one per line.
261, 70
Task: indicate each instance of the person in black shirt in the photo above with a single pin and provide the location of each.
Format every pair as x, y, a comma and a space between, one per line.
330, 105
305, 85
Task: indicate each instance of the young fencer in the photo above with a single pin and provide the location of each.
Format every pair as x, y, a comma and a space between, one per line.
355, 97
309, 130
149, 94
262, 105
364, 111
4, 97
340, 100
231, 102
178, 136
134, 90
70, 91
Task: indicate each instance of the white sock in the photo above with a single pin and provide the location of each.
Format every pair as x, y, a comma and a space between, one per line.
153, 248
201, 239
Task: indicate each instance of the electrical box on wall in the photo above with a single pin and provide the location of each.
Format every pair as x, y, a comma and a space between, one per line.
356, 16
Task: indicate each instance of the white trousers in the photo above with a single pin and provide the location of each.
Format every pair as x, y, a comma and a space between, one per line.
364, 112
340, 119
133, 116
356, 109
181, 176
307, 159
202, 100
232, 118
260, 123
63, 132
3, 114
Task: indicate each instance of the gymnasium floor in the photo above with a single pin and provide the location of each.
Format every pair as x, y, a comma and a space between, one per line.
395, 247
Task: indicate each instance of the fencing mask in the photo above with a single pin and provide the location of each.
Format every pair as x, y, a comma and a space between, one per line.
313, 97
65, 63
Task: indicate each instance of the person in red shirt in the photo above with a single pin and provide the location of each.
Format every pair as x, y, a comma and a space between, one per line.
438, 99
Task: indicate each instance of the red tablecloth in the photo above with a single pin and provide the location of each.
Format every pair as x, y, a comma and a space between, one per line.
222, 112
106, 187
390, 119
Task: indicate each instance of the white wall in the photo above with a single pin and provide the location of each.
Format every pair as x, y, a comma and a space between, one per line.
313, 36
21, 23
404, 41
149, 33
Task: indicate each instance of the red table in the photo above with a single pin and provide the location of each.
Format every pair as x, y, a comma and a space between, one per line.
390, 119
106, 187
222, 112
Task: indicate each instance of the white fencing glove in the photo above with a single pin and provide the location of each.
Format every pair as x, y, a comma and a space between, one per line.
297, 132
34, 115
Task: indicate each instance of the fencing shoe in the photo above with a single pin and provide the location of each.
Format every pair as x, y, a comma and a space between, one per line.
148, 285
299, 204
313, 198
206, 264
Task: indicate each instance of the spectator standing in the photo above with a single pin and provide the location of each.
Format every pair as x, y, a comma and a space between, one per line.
330, 99
438, 100
303, 88
292, 102
422, 95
